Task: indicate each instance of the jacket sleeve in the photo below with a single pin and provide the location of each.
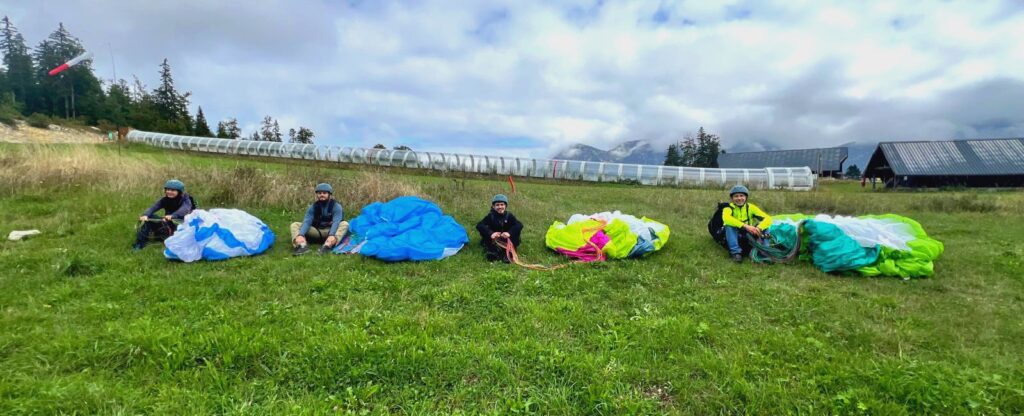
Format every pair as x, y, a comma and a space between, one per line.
336, 218
730, 220
307, 221
153, 209
184, 209
484, 228
517, 227
766, 220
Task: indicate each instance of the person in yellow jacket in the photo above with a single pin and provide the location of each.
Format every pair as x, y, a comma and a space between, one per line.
741, 218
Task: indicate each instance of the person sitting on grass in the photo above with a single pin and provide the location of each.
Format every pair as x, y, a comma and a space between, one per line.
499, 224
176, 205
322, 224
741, 218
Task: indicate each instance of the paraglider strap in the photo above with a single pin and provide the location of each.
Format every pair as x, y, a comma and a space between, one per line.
163, 223
513, 255
595, 229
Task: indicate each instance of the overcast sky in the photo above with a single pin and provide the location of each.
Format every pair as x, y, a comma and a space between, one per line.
529, 77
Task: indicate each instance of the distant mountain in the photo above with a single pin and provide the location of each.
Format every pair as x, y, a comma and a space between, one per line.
635, 151
859, 154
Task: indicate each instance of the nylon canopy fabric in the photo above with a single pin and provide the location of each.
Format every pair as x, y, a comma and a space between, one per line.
405, 228
218, 234
900, 245
605, 235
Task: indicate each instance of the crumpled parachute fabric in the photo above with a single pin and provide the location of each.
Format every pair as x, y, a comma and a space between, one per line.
218, 234
872, 245
605, 235
405, 228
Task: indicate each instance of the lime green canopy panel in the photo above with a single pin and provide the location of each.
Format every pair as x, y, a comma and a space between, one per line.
872, 245
606, 235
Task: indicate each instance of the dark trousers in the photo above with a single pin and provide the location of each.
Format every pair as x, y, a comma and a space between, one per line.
162, 230
734, 239
492, 251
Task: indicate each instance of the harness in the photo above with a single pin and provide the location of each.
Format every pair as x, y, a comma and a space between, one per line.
323, 215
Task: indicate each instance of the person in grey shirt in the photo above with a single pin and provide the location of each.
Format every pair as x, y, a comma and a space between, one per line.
323, 223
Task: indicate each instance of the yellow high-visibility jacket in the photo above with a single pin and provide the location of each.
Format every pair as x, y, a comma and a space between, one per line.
735, 216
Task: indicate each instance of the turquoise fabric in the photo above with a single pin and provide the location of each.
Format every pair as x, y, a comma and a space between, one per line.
834, 251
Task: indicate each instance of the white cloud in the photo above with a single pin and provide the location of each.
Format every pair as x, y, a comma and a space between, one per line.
454, 75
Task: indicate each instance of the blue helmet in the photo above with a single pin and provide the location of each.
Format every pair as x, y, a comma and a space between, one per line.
175, 185
499, 198
739, 189
324, 187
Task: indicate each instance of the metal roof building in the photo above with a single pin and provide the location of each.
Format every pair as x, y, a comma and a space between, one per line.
975, 163
830, 159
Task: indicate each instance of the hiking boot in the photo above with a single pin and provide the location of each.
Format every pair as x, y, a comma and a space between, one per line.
737, 258
324, 250
300, 250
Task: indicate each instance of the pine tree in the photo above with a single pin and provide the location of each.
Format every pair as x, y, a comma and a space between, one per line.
688, 152
228, 129
201, 129
76, 90
708, 148
255, 136
171, 105
276, 132
267, 129
118, 104
20, 76
303, 135
143, 114
221, 130
672, 157
853, 172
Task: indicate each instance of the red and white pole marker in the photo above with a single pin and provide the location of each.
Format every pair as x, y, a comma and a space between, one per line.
74, 61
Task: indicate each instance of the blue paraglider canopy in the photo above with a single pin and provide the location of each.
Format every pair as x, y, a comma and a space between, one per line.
405, 228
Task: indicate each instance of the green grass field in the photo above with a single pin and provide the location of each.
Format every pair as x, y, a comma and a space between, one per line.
88, 327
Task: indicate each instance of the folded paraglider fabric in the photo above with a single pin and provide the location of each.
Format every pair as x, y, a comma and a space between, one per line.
606, 235
218, 234
872, 245
405, 228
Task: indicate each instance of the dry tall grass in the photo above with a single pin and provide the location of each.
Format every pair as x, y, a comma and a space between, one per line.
36, 169
28, 169
247, 186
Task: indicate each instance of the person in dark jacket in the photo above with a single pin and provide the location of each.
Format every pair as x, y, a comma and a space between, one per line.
322, 224
175, 203
498, 224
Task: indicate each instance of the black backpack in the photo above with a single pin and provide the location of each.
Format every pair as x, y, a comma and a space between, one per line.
715, 224
195, 205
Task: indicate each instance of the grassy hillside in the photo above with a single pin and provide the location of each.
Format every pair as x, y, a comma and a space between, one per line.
89, 327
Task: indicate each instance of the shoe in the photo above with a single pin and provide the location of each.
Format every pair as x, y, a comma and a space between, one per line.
137, 247
300, 250
737, 258
491, 256
324, 250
